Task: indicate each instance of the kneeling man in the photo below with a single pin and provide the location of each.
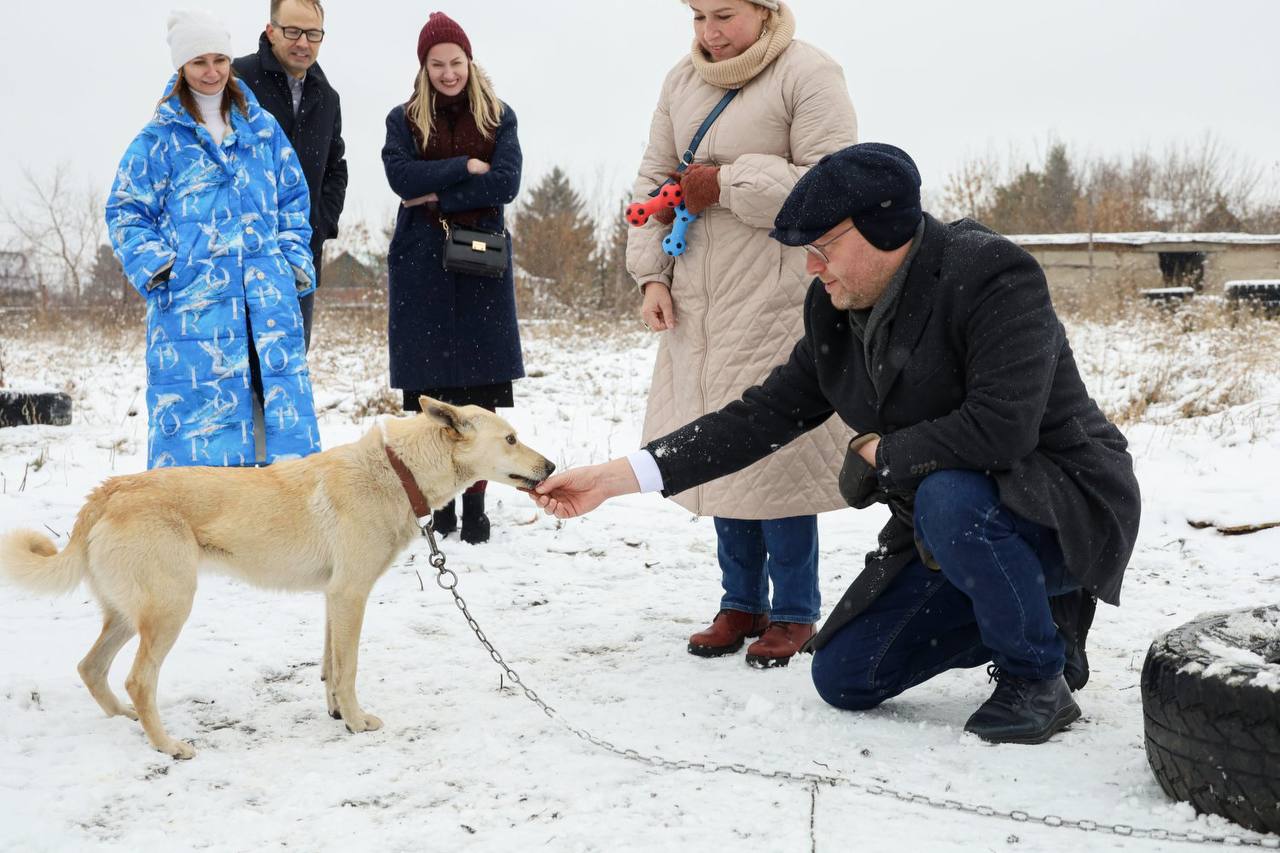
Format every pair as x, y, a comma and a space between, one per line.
1013, 499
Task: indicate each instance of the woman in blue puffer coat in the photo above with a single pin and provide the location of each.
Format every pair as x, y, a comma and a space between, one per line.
209, 217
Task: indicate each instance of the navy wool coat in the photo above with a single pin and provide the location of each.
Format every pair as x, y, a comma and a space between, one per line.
978, 376
315, 133
447, 330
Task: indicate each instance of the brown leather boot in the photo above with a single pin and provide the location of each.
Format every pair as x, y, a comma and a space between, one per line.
779, 644
727, 632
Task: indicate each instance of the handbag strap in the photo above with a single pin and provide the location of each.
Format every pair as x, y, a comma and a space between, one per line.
687, 157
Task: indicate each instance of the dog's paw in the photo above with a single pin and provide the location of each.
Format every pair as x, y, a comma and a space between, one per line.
363, 722
127, 711
179, 749
335, 713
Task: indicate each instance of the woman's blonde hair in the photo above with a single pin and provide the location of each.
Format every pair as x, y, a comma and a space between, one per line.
232, 95
486, 109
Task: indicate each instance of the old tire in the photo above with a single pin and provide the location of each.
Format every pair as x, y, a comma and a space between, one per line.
26, 408
1211, 709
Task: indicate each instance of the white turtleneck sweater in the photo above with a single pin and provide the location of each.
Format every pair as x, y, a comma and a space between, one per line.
211, 114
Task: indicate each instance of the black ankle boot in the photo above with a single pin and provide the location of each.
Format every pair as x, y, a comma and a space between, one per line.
445, 520
475, 524
1022, 710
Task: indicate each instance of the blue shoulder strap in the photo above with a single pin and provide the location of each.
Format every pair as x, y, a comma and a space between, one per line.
687, 158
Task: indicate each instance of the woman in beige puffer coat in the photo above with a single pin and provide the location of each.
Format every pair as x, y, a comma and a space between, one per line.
730, 306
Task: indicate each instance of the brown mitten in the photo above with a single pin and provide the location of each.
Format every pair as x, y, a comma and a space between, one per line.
701, 186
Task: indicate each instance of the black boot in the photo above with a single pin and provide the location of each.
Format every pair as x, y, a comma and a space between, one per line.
475, 524
1022, 710
445, 519
1073, 614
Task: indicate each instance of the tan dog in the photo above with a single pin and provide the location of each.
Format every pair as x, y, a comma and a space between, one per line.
332, 521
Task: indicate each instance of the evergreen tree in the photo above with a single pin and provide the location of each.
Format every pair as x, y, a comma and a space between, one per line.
556, 238
107, 281
1038, 202
1219, 218
1060, 192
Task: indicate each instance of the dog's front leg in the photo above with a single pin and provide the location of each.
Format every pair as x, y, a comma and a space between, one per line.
326, 667
345, 616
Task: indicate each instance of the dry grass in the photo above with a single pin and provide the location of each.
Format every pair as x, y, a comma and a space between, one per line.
1199, 362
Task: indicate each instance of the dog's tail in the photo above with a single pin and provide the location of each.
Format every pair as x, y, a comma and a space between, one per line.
30, 559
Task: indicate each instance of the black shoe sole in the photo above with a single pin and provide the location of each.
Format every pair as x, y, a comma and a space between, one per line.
714, 651
762, 662
1064, 718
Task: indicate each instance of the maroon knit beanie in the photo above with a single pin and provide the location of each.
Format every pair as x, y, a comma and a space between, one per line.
441, 29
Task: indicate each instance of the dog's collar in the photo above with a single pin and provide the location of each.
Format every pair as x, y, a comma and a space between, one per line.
417, 500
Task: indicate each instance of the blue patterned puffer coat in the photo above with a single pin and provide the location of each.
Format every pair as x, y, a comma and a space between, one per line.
232, 219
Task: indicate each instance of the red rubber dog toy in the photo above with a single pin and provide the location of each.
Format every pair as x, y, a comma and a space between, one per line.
668, 196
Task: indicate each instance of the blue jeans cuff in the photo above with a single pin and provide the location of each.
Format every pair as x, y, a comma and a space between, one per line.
798, 618
754, 609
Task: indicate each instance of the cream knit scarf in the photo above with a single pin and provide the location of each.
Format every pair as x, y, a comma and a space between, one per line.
779, 30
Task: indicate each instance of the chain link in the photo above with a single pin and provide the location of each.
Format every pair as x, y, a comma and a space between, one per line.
448, 581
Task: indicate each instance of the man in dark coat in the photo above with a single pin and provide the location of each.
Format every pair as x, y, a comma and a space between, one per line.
1007, 486
292, 87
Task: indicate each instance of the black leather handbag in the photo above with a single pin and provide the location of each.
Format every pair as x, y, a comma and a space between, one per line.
470, 251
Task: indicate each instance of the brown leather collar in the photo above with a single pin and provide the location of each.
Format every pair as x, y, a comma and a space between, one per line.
417, 499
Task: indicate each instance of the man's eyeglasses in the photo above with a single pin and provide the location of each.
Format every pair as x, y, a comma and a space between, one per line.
818, 249
295, 33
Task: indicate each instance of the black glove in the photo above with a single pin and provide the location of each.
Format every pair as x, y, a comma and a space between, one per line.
858, 483
161, 277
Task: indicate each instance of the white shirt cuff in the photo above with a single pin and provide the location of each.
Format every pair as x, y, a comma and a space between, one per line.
645, 467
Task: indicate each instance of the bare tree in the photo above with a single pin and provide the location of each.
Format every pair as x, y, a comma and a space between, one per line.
1191, 186
968, 190
1194, 179
59, 226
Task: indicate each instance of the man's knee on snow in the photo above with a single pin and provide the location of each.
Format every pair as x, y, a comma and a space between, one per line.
835, 677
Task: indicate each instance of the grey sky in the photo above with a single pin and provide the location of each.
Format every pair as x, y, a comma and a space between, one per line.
944, 80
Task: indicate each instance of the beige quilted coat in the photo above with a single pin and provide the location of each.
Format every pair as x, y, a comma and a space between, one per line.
737, 293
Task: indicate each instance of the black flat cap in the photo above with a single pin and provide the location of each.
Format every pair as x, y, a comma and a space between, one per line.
876, 185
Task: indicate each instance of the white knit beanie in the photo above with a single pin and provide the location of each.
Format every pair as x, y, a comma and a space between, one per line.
772, 5
194, 32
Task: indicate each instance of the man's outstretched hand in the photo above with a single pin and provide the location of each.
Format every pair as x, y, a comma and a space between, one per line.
579, 490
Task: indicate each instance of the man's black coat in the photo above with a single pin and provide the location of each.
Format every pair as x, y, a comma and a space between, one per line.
978, 376
315, 133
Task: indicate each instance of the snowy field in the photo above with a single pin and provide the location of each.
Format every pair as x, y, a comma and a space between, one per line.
594, 614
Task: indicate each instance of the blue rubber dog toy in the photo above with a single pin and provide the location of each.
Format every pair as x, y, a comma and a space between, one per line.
675, 243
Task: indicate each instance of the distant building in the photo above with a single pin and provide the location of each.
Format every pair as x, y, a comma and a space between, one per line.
1132, 262
348, 281
18, 282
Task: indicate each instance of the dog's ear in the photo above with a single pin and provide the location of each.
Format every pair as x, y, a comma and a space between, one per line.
444, 414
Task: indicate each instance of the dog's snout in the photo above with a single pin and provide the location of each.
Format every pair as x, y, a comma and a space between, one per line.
548, 468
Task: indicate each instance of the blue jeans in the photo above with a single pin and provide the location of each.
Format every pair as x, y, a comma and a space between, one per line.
782, 550
990, 601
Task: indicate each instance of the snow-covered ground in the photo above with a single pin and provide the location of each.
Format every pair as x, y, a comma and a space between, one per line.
594, 614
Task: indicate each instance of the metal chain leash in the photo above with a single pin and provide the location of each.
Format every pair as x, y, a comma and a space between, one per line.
448, 580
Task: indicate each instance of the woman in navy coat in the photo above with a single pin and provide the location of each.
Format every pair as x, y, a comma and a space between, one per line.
452, 156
